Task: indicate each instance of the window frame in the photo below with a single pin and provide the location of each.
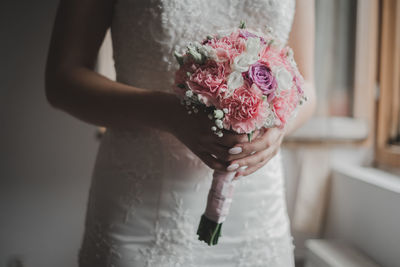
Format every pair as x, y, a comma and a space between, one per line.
387, 154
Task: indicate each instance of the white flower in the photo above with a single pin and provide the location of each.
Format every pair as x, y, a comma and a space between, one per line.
204, 100
219, 124
235, 80
253, 46
189, 93
218, 114
290, 56
242, 62
208, 52
283, 78
270, 121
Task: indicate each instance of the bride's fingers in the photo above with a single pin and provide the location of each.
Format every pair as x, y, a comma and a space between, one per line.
227, 155
258, 144
255, 167
256, 158
219, 152
213, 163
251, 169
230, 139
268, 138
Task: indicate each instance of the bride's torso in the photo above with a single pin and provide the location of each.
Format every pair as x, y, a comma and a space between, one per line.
145, 34
148, 190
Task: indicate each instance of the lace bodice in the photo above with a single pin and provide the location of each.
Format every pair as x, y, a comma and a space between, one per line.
148, 190
146, 32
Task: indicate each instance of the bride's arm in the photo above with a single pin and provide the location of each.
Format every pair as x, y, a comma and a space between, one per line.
73, 86
302, 38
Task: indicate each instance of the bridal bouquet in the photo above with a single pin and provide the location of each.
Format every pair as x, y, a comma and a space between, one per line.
246, 81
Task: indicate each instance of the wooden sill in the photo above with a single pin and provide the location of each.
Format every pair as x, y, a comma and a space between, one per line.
388, 156
330, 131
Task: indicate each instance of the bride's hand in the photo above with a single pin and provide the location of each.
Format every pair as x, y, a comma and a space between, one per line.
195, 132
261, 150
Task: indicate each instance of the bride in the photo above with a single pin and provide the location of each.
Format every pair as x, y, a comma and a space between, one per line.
154, 165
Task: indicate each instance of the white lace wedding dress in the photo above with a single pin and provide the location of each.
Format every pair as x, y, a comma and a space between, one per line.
148, 190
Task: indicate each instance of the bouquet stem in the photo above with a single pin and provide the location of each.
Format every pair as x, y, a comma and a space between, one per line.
218, 204
209, 231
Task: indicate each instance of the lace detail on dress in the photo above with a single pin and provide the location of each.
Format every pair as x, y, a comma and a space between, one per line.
265, 240
133, 195
173, 241
183, 21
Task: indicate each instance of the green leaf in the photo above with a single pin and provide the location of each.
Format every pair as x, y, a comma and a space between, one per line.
179, 58
249, 136
242, 25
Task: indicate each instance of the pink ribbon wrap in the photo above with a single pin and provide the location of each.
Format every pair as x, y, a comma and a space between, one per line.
220, 196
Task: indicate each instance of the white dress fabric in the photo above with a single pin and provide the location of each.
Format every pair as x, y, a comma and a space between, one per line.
148, 190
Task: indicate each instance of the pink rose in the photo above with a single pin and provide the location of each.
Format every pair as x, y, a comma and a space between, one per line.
246, 110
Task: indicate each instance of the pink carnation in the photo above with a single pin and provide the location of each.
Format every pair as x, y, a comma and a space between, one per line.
271, 57
285, 104
228, 47
298, 81
246, 111
207, 81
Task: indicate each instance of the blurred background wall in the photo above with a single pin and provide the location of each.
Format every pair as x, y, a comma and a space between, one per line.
46, 156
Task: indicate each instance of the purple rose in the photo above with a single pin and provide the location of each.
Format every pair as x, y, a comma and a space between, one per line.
261, 75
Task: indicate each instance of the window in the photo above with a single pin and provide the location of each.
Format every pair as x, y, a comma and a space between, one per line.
346, 74
334, 56
388, 119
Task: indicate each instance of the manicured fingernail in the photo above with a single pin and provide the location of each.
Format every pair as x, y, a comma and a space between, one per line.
232, 167
235, 150
242, 168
